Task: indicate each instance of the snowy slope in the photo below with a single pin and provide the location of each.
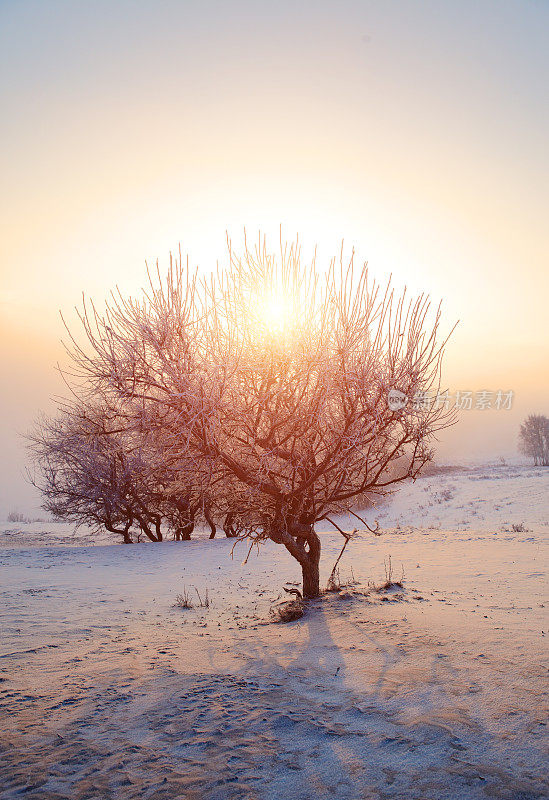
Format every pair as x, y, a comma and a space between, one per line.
436, 690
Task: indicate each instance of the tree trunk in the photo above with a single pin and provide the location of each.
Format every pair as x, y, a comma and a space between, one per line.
127, 537
147, 531
184, 518
124, 533
209, 520
183, 532
228, 526
149, 534
301, 541
310, 567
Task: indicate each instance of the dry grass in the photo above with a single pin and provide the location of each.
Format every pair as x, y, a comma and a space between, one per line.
334, 582
203, 602
183, 600
389, 583
337, 584
288, 610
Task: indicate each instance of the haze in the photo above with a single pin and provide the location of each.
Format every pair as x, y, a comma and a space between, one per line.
416, 131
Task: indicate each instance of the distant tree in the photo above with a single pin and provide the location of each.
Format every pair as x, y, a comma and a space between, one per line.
87, 477
275, 379
534, 439
17, 516
96, 469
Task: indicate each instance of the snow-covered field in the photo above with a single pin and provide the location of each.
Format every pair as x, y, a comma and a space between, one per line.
108, 689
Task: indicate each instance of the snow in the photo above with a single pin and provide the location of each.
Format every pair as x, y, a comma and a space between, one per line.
436, 690
485, 498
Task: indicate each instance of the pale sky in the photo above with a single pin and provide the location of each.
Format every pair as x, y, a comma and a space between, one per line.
417, 131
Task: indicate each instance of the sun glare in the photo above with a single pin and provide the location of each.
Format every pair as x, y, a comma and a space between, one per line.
274, 313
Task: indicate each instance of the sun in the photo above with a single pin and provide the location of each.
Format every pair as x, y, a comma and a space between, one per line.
271, 317
276, 313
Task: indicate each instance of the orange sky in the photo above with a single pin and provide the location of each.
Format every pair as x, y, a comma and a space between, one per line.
415, 130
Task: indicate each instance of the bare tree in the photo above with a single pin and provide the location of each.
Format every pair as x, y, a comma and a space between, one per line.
84, 477
94, 469
275, 377
534, 439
